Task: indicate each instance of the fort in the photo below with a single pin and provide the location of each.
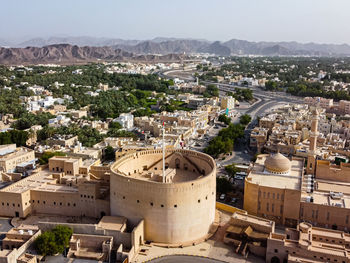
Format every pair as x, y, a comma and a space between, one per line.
177, 204
178, 208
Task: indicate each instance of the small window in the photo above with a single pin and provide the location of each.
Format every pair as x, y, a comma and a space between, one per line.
161, 205
138, 201
276, 250
175, 206
74, 204
199, 200
54, 203
151, 204
123, 197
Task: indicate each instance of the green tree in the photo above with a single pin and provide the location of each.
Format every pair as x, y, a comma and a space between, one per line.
62, 237
223, 185
224, 142
46, 244
44, 159
211, 91
109, 153
14, 136
115, 125
27, 120
223, 118
54, 241
271, 85
231, 170
245, 119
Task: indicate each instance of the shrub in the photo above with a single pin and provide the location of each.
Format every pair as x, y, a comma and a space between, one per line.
54, 241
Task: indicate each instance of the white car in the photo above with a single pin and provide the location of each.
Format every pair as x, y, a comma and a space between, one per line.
222, 197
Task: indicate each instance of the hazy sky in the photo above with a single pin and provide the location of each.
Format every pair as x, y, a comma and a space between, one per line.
326, 21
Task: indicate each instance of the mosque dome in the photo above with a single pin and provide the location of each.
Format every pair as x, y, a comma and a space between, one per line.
277, 163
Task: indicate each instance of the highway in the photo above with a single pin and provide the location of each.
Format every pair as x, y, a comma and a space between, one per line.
265, 101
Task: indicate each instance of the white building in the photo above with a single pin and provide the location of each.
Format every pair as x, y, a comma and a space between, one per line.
33, 106
47, 102
126, 120
228, 103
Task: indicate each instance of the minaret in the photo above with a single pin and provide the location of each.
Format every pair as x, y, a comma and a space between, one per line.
163, 150
311, 159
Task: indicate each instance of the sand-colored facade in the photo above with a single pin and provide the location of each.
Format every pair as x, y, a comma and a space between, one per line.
308, 244
274, 195
178, 211
322, 199
11, 157
61, 189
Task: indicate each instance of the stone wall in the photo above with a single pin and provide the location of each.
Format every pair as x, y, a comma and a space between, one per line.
173, 213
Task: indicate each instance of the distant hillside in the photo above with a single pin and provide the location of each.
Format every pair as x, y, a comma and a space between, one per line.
68, 54
164, 46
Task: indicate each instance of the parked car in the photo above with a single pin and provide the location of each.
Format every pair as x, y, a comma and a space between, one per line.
233, 200
222, 197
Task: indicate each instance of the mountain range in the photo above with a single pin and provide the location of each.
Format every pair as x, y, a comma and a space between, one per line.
73, 54
161, 45
71, 49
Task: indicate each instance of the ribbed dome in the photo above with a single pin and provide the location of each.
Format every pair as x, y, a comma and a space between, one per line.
277, 163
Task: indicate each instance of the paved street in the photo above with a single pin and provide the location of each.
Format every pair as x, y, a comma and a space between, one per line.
5, 225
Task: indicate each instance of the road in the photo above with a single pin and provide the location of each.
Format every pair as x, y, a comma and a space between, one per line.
267, 99
184, 259
265, 102
5, 224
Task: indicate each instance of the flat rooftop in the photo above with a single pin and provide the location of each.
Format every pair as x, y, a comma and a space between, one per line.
253, 219
283, 181
112, 222
14, 154
41, 181
323, 188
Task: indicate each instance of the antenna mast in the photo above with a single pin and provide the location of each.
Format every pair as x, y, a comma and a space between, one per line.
163, 154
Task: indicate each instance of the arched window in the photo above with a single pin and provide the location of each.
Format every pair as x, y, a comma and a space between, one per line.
177, 163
